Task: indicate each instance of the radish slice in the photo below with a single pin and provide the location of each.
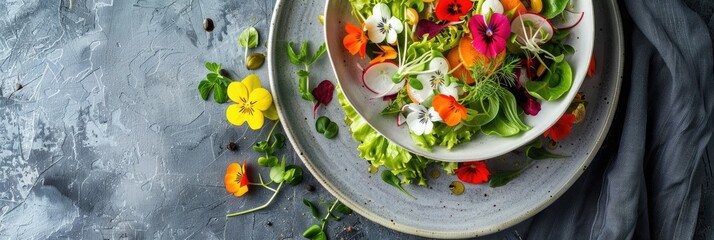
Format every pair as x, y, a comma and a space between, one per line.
567, 20
401, 120
521, 28
377, 78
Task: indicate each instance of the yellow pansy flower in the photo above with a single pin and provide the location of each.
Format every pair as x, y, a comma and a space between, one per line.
252, 103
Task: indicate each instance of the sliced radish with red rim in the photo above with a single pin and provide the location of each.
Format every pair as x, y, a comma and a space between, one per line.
567, 20
377, 78
527, 25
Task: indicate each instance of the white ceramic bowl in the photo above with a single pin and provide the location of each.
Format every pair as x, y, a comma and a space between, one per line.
348, 72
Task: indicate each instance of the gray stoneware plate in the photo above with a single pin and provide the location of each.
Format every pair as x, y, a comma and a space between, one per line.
480, 210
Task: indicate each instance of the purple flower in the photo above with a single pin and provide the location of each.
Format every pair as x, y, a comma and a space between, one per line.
490, 38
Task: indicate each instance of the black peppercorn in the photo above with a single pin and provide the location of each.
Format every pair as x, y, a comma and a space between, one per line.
208, 25
232, 146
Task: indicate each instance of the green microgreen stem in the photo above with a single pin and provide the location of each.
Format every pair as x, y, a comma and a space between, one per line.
329, 212
275, 193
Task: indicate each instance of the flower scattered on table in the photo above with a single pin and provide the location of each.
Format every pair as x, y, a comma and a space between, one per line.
450, 111
251, 103
562, 127
473, 172
452, 10
490, 38
421, 120
382, 25
236, 179
355, 41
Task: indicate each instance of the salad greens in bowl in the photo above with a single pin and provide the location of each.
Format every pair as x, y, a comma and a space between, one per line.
459, 80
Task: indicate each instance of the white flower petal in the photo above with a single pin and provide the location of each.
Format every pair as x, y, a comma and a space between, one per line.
426, 90
392, 37
414, 124
491, 5
373, 32
413, 107
381, 10
395, 24
440, 64
434, 115
428, 127
451, 90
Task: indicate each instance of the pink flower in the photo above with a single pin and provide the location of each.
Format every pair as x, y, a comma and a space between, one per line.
490, 38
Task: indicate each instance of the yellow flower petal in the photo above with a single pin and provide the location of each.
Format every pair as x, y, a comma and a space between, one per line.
236, 91
234, 115
251, 82
271, 113
255, 120
260, 99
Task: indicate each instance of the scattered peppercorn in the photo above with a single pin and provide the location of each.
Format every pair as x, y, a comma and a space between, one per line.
208, 25
310, 188
18, 86
269, 223
232, 146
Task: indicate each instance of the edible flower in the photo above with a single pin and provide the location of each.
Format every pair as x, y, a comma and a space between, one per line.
421, 120
490, 38
252, 103
387, 53
491, 6
449, 109
382, 25
355, 41
435, 78
473, 172
236, 179
452, 10
562, 128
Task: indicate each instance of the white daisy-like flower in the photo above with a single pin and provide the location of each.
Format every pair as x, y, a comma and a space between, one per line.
421, 120
435, 78
382, 25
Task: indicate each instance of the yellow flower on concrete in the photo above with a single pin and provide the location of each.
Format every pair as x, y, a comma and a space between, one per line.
252, 103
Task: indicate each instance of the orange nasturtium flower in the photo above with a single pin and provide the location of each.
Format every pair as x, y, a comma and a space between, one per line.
449, 109
356, 40
236, 179
387, 53
252, 103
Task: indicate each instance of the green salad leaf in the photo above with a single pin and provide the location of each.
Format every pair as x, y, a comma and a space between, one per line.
379, 151
552, 8
556, 82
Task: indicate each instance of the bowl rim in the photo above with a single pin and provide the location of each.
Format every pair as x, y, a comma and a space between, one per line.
453, 156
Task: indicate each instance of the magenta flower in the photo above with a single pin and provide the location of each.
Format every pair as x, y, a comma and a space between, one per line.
490, 38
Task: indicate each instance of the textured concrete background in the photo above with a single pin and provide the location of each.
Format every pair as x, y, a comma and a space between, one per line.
108, 138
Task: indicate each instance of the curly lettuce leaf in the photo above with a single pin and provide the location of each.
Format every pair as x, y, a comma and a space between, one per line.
379, 151
425, 141
448, 38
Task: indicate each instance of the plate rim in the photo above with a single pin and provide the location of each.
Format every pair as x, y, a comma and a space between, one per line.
319, 176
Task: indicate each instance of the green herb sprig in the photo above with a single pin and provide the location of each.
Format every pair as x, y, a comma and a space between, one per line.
326, 127
534, 151
317, 232
391, 179
279, 172
216, 82
248, 39
301, 58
